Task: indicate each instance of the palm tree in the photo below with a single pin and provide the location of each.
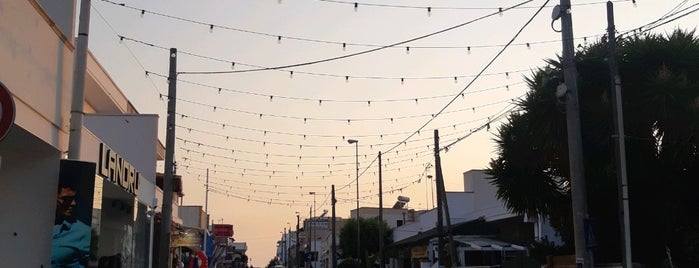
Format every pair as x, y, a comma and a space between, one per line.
660, 89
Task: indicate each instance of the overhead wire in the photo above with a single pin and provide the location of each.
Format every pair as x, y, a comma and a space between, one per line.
357, 4
303, 135
211, 26
133, 55
348, 120
271, 97
475, 78
313, 62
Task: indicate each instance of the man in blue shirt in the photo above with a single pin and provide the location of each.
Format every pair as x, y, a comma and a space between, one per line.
71, 237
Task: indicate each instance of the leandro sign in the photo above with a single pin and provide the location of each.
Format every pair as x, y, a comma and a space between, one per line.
116, 169
7, 111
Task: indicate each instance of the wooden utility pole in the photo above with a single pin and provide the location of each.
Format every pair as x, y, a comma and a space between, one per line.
164, 245
619, 137
583, 256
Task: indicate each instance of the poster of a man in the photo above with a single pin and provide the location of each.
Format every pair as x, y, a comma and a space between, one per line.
71, 231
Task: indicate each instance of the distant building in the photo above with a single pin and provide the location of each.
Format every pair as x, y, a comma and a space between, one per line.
481, 224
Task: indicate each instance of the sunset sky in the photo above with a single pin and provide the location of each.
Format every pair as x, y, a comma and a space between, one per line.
387, 73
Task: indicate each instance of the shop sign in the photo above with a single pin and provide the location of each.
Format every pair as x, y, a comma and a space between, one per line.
7, 111
418, 252
187, 237
225, 230
114, 168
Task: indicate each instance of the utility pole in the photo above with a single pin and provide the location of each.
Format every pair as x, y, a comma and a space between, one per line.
79, 69
619, 137
440, 206
334, 243
381, 260
164, 246
445, 203
583, 256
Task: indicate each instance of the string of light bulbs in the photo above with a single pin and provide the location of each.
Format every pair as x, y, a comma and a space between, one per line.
255, 197
301, 173
441, 111
279, 38
217, 181
133, 55
301, 146
215, 108
467, 86
233, 64
342, 137
343, 45
429, 9
320, 101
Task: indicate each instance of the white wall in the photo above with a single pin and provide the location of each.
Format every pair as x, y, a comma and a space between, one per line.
192, 216
37, 68
485, 202
29, 179
133, 137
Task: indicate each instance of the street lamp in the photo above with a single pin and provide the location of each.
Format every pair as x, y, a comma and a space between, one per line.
356, 160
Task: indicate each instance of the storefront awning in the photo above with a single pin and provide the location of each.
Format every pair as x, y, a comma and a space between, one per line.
474, 227
482, 243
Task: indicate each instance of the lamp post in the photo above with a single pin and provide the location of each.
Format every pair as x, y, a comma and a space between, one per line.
356, 160
311, 234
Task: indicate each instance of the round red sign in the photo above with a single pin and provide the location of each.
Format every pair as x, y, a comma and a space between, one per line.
7, 111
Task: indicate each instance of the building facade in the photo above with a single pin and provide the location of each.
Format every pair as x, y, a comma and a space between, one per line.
37, 53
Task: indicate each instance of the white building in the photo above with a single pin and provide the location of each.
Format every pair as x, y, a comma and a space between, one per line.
476, 215
37, 55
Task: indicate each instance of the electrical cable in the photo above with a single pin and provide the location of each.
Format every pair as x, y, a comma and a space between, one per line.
313, 62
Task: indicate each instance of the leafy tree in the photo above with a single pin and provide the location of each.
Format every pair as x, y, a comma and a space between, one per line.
660, 89
369, 237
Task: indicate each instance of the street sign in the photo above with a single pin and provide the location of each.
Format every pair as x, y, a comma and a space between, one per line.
7, 111
225, 230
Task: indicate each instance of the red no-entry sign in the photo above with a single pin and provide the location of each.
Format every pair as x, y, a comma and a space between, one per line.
7, 111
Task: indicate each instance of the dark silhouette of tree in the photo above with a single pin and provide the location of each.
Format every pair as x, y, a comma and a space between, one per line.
660, 89
369, 235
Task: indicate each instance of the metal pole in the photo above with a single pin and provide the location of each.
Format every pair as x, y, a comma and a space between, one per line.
298, 242
164, 247
583, 256
356, 159
312, 231
381, 259
334, 243
309, 232
151, 213
206, 208
79, 70
619, 137
359, 237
